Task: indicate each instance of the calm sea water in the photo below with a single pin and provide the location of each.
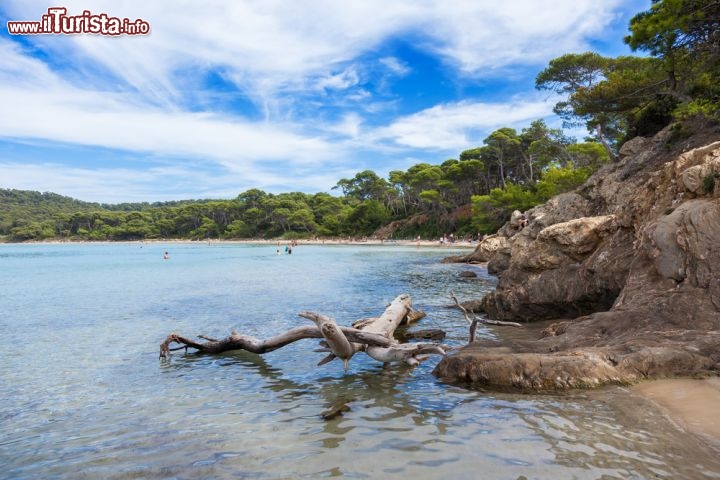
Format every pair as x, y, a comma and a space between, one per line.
85, 396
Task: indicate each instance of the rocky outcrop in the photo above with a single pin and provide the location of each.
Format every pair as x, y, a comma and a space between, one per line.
486, 249
630, 261
569, 268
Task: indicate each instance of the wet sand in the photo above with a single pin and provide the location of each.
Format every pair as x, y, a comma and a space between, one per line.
692, 404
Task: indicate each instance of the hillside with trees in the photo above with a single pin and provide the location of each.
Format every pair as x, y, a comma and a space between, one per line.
512, 170
674, 81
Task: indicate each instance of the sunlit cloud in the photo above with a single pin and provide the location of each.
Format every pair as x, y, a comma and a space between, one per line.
395, 66
448, 126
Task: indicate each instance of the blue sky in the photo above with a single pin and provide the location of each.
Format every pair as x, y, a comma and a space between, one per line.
224, 96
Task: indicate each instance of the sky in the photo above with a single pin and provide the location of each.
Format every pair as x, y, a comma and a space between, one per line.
282, 95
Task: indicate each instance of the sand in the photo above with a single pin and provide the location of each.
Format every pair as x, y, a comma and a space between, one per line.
693, 405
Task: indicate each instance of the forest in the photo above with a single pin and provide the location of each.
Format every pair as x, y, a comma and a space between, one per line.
674, 80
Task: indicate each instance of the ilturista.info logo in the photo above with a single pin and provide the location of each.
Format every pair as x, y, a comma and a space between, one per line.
57, 22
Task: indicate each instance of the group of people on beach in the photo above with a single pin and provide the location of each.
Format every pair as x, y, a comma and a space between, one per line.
447, 239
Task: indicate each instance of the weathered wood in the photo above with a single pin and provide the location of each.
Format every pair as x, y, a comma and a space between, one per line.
255, 345
374, 336
363, 322
335, 338
409, 353
413, 316
392, 317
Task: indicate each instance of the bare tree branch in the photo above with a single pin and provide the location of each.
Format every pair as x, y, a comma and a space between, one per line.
475, 320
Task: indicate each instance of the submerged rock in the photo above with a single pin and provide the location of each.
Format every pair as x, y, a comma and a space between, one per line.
632, 257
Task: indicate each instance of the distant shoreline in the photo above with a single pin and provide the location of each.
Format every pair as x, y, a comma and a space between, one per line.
374, 242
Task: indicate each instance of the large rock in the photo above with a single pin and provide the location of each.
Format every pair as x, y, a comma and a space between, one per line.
486, 249
631, 261
492, 245
562, 243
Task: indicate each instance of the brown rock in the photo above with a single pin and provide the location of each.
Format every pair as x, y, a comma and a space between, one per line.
486, 249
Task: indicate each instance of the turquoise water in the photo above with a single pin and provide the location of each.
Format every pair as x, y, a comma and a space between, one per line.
85, 395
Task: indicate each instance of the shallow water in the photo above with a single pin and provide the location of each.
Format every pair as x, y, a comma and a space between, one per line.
85, 396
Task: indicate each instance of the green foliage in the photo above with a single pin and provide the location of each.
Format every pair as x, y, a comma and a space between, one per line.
653, 117
623, 97
557, 180
366, 185
366, 217
237, 229
673, 28
491, 211
683, 36
612, 96
588, 154
568, 73
701, 107
32, 231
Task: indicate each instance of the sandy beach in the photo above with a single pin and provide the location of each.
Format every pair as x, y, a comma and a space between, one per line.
276, 241
692, 404
372, 241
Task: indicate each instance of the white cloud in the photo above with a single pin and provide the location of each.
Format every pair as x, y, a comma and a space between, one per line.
17, 68
341, 81
483, 36
62, 113
395, 66
458, 125
200, 135
349, 126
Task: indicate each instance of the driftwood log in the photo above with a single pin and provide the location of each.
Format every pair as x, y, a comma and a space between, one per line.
374, 336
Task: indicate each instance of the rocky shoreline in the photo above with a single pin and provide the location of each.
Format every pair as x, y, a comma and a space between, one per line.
624, 272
